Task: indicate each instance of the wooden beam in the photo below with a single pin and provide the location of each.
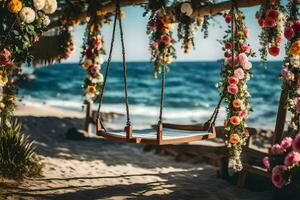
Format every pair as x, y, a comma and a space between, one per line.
204, 11
223, 6
201, 12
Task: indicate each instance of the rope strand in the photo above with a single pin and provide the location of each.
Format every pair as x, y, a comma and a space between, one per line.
107, 65
162, 91
124, 67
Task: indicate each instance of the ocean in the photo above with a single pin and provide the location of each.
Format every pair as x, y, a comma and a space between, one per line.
190, 94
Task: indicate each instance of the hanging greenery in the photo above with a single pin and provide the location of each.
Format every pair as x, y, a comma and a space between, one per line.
161, 40
21, 24
234, 76
92, 58
187, 26
271, 19
68, 21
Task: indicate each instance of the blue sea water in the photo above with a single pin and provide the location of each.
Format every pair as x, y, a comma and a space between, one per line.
190, 93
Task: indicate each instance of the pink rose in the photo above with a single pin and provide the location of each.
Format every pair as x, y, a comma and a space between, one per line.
289, 33
243, 113
298, 105
97, 43
166, 39
247, 65
286, 74
36, 39
232, 89
286, 142
243, 59
277, 178
296, 26
266, 162
239, 73
154, 45
296, 143
95, 69
6, 53
228, 61
292, 158
233, 80
5, 61
245, 48
270, 22
277, 149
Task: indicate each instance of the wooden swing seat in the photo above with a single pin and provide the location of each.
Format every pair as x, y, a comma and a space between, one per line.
171, 134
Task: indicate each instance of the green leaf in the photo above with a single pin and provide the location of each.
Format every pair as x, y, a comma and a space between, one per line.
15, 32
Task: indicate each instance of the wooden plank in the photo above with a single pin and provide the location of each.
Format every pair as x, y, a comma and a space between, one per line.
186, 127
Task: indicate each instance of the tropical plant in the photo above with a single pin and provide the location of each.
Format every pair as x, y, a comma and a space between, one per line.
17, 156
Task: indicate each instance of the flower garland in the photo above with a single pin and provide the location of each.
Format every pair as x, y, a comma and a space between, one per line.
284, 160
187, 27
92, 59
69, 20
67, 44
161, 41
271, 19
234, 76
21, 24
291, 73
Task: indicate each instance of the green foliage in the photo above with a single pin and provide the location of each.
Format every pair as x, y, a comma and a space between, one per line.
17, 157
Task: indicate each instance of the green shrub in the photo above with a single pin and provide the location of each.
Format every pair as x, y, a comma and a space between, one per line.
17, 156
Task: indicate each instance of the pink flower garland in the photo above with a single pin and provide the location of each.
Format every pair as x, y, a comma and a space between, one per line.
234, 78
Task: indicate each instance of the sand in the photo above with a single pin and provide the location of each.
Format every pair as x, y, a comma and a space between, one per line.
96, 168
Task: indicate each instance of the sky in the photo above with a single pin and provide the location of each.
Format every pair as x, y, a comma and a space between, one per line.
136, 39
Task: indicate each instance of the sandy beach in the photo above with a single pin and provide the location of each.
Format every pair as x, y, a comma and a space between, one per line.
96, 168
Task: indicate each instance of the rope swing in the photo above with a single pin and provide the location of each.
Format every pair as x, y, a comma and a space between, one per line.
163, 133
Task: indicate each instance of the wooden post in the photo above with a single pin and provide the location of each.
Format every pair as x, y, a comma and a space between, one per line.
159, 137
281, 117
88, 116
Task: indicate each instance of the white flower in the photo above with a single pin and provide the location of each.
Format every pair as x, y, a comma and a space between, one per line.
70, 28
46, 21
39, 4
99, 60
50, 6
27, 15
186, 8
